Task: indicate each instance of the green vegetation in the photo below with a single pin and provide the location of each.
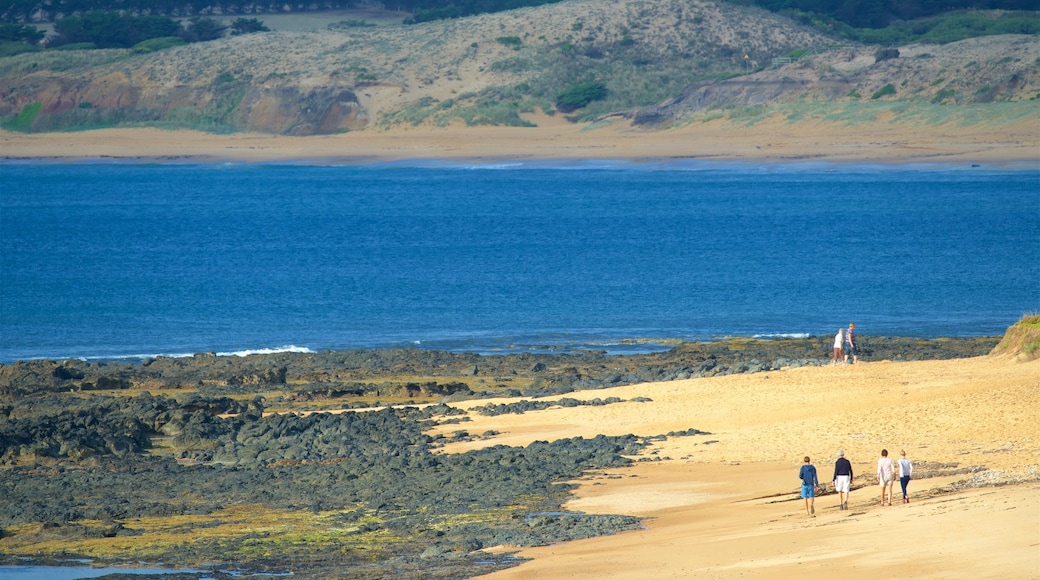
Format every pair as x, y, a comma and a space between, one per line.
112, 30
203, 30
579, 95
102, 29
156, 44
946, 28
884, 92
8, 48
345, 24
23, 121
20, 33
513, 42
943, 95
878, 13
247, 26
495, 107
1022, 340
869, 21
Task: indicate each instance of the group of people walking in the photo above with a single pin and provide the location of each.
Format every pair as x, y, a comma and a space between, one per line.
886, 474
845, 346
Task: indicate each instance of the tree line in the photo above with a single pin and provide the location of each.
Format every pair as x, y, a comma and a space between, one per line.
881, 13
28, 11
872, 14
101, 29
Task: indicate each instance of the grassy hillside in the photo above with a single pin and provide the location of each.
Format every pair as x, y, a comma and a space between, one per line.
580, 58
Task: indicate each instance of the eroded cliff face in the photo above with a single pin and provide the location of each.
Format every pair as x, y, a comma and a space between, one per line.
117, 97
973, 71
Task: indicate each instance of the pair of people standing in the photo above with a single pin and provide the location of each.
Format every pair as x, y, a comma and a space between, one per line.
842, 480
886, 472
845, 346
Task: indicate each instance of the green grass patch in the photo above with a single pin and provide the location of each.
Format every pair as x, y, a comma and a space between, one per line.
157, 44
9, 48
884, 91
23, 121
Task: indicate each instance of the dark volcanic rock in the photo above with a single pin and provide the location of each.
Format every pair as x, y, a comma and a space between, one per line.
315, 376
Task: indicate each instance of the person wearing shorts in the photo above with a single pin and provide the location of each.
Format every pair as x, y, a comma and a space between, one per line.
839, 341
842, 479
809, 484
886, 474
851, 349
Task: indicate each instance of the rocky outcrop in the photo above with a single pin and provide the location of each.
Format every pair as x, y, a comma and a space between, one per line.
390, 373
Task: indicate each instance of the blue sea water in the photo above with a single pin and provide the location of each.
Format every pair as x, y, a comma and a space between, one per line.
114, 260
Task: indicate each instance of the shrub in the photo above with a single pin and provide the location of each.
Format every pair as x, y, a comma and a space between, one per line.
884, 91
886, 54
251, 25
8, 48
156, 44
580, 95
513, 42
942, 96
342, 24
203, 30
77, 46
20, 33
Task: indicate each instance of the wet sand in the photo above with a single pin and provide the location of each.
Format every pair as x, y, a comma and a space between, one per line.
730, 509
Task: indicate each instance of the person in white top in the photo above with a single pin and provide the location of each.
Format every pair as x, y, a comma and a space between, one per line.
905, 469
886, 474
839, 344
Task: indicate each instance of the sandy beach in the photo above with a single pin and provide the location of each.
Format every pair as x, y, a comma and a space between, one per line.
772, 140
726, 505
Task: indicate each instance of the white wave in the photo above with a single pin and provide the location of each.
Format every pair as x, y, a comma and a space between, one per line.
494, 166
276, 350
783, 335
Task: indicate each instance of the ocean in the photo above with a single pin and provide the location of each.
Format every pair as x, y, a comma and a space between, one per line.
113, 260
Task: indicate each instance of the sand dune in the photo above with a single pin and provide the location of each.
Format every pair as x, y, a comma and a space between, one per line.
725, 505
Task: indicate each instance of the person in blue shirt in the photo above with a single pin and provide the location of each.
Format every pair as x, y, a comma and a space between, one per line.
809, 485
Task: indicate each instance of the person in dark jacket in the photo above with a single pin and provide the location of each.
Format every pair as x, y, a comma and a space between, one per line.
842, 479
809, 485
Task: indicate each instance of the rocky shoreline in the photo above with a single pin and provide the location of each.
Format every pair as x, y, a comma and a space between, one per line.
398, 375
187, 460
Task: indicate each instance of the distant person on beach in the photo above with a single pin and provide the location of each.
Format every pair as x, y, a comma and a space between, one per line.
850, 344
839, 343
886, 474
809, 484
842, 479
905, 469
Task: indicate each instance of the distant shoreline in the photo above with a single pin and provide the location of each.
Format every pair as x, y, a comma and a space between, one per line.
654, 163
553, 141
